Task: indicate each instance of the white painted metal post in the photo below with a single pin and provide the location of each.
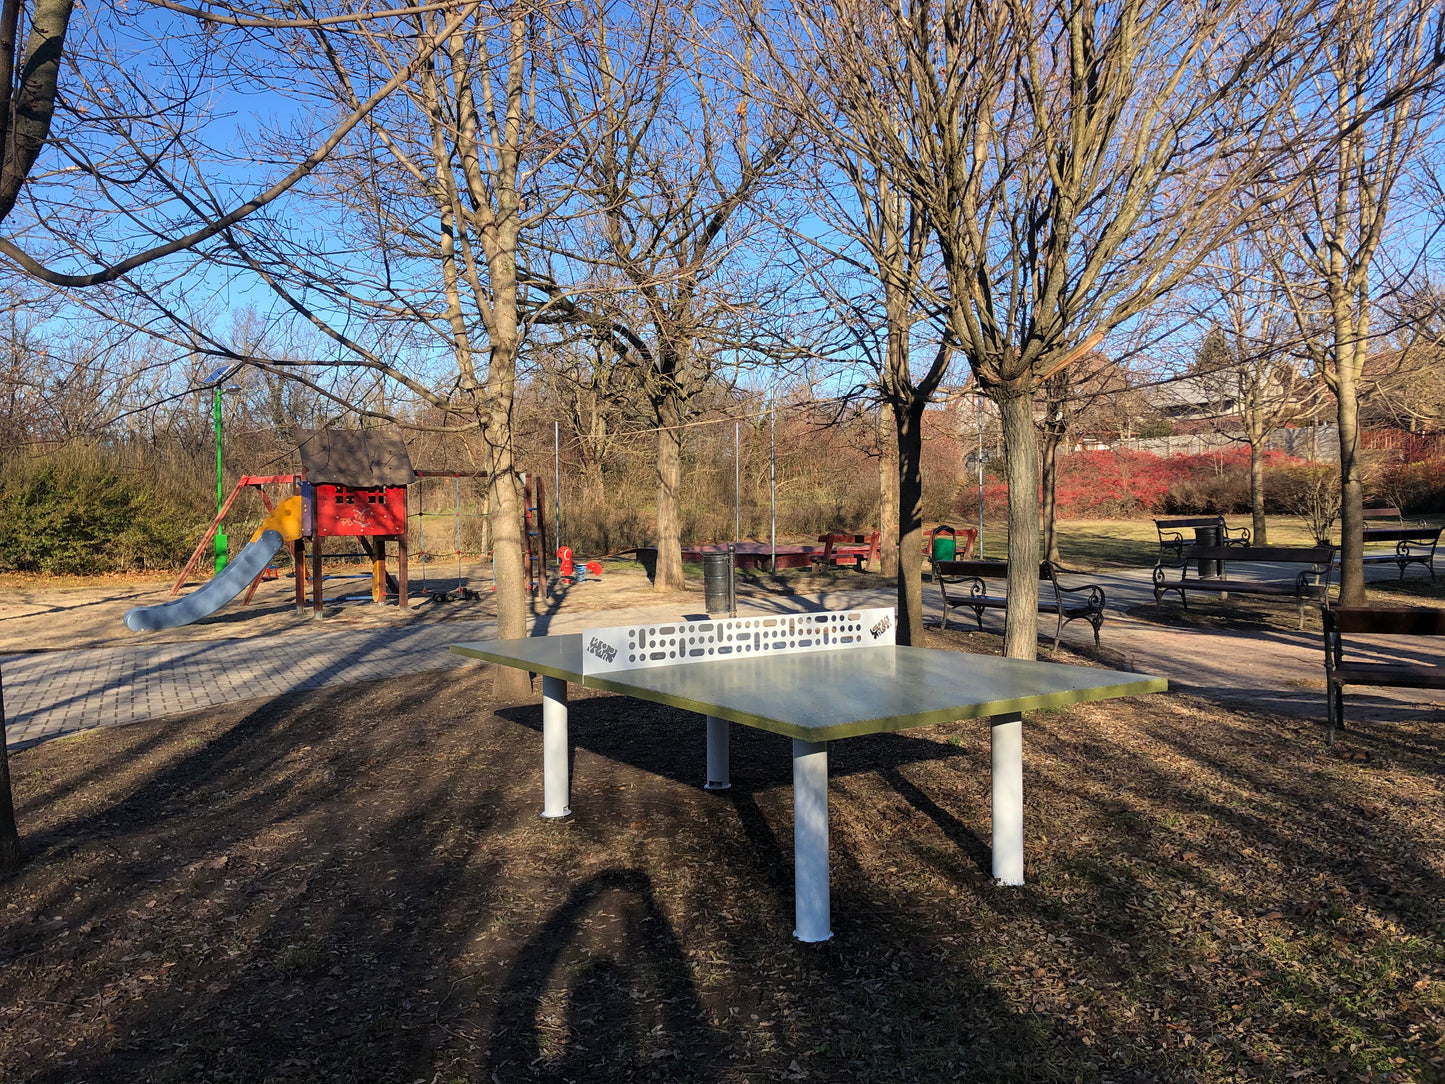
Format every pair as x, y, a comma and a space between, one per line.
773, 489
554, 748
737, 482
1008, 798
718, 776
810, 841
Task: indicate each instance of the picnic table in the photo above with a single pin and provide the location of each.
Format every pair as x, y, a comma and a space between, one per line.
830, 549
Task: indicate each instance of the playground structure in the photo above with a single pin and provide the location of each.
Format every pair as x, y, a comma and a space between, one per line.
353, 484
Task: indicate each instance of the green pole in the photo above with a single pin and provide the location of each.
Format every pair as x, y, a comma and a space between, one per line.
222, 542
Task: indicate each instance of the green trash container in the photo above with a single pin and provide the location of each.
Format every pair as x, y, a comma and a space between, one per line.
945, 544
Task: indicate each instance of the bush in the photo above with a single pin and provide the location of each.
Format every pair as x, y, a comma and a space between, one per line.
1310, 491
1414, 488
76, 514
1124, 485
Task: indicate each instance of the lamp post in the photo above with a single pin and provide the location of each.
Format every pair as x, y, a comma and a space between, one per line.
214, 381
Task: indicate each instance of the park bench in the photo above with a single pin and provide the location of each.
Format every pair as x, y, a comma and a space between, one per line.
1208, 531
966, 584
1310, 583
843, 548
1383, 516
1364, 666
1414, 545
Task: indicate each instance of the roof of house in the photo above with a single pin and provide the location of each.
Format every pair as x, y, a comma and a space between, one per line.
363, 459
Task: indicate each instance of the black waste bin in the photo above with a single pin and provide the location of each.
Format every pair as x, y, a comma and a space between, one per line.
716, 580
1208, 536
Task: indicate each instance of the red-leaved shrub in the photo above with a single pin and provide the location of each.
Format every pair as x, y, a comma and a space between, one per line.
1124, 485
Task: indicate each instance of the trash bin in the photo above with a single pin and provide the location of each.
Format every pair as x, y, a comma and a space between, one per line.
945, 544
716, 580
1208, 536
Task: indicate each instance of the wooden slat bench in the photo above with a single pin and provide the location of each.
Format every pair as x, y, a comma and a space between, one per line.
966, 584
1172, 540
1358, 670
1382, 516
857, 549
1310, 583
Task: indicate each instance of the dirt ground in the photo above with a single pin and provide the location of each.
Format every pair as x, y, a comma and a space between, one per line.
354, 885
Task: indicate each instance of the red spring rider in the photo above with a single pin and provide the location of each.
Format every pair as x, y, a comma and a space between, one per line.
564, 557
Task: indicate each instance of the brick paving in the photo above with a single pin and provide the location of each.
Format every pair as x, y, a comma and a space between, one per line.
53, 693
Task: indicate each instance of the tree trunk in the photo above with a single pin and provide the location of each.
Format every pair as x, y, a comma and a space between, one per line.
1259, 533
504, 500
669, 506
1048, 508
887, 495
513, 602
9, 833
1021, 467
1352, 492
908, 419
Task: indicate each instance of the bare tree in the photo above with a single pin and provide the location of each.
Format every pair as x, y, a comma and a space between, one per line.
1249, 360
1407, 388
1072, 399
437, 196
672, 150
875, 232
1374, 99
1074, 162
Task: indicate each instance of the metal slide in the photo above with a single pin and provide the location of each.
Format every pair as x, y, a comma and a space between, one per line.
211, 596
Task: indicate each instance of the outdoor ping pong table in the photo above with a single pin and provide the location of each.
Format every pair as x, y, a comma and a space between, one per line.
846, 679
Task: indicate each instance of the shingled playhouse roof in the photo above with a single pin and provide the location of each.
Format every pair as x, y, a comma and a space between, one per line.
362, 459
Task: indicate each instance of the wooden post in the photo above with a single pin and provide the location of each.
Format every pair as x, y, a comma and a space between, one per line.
316, 593
542, 553
298, 563
378, 570
401, 600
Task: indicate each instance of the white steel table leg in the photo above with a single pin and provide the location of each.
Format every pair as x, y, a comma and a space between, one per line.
718, 777
810, 841
1008, 798
554, 748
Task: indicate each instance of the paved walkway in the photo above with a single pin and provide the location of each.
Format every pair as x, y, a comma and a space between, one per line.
60, 692
51, 694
